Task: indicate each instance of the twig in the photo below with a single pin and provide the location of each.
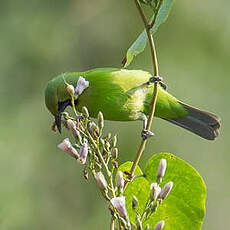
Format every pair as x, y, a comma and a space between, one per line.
155, 92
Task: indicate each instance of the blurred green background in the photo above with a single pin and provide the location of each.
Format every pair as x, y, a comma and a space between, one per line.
42, 188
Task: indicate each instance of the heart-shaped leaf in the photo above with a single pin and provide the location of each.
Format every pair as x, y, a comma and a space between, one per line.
184, 208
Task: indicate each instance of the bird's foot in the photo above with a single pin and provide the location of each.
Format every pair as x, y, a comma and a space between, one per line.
159, 79
145, 134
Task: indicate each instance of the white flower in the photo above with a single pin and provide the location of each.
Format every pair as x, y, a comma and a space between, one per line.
101, 180
67, 147
155, 190
119, 204
161, 168
120, 180
83, 154
165, 190
159, 225
82, 84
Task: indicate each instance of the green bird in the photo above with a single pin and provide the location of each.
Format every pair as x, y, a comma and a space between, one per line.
126, 95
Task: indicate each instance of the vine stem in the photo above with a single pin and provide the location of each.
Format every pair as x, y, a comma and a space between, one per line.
148, 28
112, 224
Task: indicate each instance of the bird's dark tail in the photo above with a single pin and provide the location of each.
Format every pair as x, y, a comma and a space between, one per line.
202, 123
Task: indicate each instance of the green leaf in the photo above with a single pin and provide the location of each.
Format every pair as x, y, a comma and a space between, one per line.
184, 208
139, 45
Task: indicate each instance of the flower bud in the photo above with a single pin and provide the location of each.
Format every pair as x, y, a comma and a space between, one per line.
85, 112
70, 89
83, 154
161, 169
101, 181
73, 128
120, 181
93, 129
147, 227
165, 190
82, 84
160, 225
100, 120
108, 136
115, 164
107, 145
115, 153
134, 203
67, 147
119, 204
155, 190
114, 141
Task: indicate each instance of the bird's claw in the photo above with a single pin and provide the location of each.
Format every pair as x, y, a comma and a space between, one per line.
145, 134
159, 79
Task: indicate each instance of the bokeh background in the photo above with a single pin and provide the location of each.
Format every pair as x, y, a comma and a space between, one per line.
42, 188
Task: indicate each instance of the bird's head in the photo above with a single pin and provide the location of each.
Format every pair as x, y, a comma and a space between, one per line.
58, 95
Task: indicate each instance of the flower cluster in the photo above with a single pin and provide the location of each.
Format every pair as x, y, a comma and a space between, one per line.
98, 153
156, 196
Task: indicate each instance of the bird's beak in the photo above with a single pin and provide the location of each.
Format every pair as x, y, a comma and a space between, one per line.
58, 121
61, 107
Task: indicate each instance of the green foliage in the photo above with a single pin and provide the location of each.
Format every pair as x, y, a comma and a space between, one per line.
159, 17
184, 208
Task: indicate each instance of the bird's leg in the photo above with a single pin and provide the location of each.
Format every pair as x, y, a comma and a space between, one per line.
145, 134
159, 79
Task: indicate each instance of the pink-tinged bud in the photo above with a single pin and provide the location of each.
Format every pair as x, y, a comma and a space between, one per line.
70, 89
165, 190
83, 154
73, 128
119, 204
93, 129
155, 190
160, 225
120, 181
101, 181
82, 84
161, 168
67, 147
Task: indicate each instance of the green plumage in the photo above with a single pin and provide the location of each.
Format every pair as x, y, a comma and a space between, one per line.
122, 95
